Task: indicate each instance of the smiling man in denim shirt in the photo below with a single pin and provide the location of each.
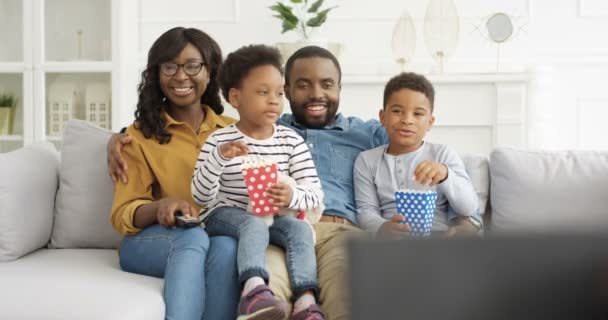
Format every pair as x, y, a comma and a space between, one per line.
312, 86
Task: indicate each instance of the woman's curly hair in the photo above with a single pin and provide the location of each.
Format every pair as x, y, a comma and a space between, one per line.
152, 101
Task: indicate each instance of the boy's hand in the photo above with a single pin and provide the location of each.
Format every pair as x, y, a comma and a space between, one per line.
394, 229
430, 172
167, 207
233, 149
280, 194
117, 166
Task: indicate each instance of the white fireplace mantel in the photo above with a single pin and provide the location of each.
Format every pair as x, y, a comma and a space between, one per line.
474, 112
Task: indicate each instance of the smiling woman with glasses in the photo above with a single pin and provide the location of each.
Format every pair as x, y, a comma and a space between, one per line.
178, 108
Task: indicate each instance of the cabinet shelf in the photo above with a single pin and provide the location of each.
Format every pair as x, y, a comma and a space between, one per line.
12, 67
77, 66
11, 137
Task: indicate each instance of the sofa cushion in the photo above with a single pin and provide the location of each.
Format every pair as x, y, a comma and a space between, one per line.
479, 171
28, 183
548, 190
84, 199
77, 284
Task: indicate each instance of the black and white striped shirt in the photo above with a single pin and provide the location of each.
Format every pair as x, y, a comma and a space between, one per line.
218, 181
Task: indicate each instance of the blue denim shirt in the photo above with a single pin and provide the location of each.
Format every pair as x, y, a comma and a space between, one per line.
334, 149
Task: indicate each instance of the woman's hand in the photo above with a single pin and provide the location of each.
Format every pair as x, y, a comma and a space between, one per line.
168, 207
280, 194
233, 149
117, 166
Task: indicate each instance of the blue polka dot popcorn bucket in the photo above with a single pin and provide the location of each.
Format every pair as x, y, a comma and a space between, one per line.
418, 208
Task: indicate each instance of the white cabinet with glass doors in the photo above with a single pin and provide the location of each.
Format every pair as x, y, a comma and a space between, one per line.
59, 60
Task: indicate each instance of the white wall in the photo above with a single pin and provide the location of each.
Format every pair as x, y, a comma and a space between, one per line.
560, 43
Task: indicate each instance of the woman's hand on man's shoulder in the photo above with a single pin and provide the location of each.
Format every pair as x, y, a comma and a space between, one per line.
117, 165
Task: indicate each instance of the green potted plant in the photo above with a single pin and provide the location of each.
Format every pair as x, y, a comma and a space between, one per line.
8, 102
300, 15
303, 17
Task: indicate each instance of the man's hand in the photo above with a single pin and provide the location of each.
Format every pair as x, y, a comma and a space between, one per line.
117, 166
167, 207
280, 194
233, 149
462, 227
430, 172
394, 228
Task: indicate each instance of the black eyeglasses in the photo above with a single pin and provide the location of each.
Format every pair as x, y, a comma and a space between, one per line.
190, 68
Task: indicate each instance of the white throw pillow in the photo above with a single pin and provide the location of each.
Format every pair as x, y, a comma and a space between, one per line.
84, 199
28, 183
549, 191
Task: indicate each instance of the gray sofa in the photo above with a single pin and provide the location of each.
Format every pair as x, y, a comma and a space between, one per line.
58, 257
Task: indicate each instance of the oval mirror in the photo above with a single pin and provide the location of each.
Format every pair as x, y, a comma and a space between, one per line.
500, 27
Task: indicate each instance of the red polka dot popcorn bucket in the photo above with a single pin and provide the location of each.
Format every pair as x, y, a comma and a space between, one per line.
258, 174
418, 208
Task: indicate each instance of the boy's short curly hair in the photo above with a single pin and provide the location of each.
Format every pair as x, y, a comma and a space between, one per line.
238, 64
412, 81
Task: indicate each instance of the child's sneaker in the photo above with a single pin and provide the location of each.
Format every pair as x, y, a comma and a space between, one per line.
313, 312
261, 304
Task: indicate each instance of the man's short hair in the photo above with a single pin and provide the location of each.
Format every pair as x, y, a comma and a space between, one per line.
311, 52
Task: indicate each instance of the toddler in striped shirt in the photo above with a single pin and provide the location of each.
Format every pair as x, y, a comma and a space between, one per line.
251, 81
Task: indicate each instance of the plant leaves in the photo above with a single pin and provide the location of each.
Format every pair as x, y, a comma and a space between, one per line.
315, 6
319, 19
7, 100
296, 1
280, 8
284, 14
288, 26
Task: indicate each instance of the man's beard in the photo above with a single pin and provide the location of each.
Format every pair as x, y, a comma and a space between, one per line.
315, 123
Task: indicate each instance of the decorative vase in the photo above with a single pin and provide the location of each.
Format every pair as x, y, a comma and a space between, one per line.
288, 48
7, 115
404, 40
441, 29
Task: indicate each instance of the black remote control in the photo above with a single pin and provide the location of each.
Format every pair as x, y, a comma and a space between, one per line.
186, 222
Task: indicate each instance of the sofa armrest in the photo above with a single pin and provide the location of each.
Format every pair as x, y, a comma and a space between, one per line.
28, 184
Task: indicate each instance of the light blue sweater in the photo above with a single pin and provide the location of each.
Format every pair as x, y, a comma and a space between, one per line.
377, 175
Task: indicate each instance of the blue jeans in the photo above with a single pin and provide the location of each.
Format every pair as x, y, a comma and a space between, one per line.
293, 235
199, 272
